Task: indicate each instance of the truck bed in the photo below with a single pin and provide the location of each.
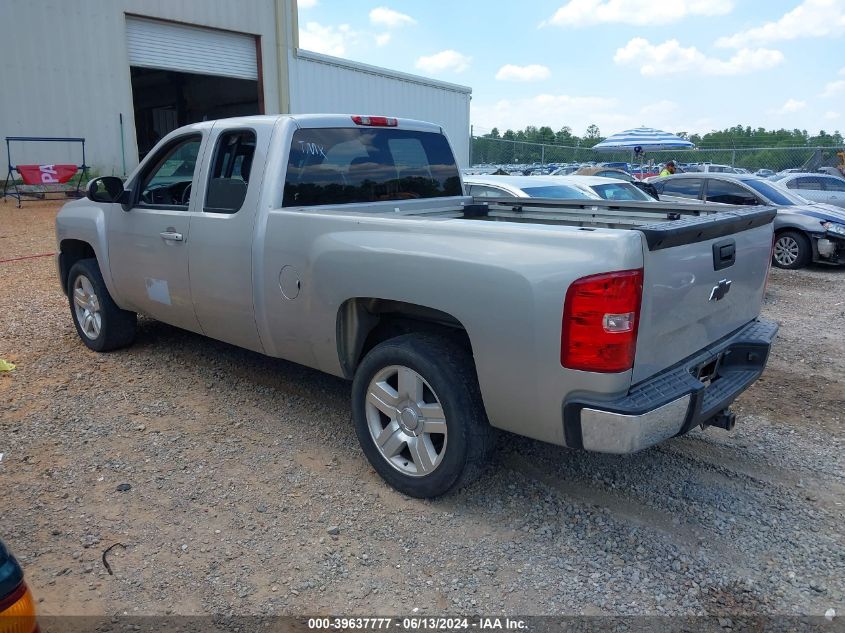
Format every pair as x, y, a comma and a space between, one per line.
606, 213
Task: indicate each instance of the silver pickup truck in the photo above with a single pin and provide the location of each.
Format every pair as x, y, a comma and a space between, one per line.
346, 243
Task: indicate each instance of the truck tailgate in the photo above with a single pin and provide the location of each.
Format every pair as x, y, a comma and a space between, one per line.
704, 277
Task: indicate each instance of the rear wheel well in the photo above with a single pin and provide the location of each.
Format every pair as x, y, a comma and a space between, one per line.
365, 322
70, 252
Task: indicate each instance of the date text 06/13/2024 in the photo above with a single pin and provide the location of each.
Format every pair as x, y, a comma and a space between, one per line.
416, 623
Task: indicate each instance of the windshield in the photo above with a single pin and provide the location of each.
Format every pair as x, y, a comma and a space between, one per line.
556, 191
774, 194
621, 191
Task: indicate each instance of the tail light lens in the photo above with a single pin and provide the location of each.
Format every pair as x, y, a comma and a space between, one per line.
17, 612
600, 319
375, 121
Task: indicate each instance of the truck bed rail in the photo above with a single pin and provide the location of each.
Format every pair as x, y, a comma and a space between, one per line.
664, 225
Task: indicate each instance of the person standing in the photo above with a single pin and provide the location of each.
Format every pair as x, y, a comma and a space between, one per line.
668, 169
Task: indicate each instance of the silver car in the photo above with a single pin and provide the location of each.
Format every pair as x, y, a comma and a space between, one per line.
816, 187
805, 231
525, 187
561, 187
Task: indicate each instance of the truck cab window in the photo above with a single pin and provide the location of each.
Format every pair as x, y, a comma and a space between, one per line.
228, 179
167, 180
356, 165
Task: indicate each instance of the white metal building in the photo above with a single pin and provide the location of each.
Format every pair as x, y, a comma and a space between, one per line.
123, 73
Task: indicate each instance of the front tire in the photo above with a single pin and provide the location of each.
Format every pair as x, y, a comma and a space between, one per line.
419, 416
792, 250
101, 325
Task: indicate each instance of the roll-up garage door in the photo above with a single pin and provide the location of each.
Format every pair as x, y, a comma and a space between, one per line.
190, 49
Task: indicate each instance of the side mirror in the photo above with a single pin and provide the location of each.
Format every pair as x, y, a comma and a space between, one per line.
648, 188
105, 189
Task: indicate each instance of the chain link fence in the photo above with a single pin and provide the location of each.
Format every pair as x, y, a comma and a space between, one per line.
503, 152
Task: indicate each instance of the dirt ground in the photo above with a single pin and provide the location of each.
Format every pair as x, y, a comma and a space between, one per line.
248, 493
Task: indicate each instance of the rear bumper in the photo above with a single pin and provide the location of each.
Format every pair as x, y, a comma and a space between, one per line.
674, 401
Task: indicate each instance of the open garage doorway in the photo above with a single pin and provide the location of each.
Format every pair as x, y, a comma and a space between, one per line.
184, 73
165, 100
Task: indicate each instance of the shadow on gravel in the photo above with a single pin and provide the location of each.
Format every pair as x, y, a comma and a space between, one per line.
683, 491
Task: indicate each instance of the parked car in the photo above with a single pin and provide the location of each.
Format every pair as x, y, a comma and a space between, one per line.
764, 173
525, 187
644, 171
805, 231
562, 187
347, 244
17, 606
605, 172
710, 168
785, 172
816, 187
838, 172
565, 171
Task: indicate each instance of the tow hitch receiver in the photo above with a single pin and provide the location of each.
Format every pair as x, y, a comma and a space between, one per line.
725, 419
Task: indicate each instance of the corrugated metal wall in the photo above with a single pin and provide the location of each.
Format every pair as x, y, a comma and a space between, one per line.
320, 83
65, 69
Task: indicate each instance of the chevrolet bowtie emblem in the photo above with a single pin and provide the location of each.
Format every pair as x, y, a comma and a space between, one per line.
720, 290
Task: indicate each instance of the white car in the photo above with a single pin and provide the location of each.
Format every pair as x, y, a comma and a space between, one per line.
561, 187
710, 168
525, 187
816, 187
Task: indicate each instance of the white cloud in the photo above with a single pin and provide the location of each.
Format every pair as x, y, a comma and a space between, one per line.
532, 72
791, 105
637, 12
307, 4
672, 58
383, 39
811, 18
330, 40
443, 61
833, 88
382, 16
831, 115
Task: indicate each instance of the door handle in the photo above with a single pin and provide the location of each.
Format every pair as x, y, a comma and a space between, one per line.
171, 236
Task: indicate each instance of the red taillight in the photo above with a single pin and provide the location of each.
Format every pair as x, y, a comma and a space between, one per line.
375, 121
600, 319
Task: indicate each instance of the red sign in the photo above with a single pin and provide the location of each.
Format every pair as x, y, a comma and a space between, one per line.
46, 174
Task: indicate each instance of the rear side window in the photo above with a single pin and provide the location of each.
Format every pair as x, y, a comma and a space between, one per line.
806, 182
729, 193
349, 165
561, 192
482, 191
622, 191
683, 188
230, 171
834, 184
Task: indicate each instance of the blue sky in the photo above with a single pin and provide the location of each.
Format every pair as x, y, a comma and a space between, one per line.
681, 65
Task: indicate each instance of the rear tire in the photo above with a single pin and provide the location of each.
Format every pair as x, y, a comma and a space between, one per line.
792, 250
101, 325
419, 416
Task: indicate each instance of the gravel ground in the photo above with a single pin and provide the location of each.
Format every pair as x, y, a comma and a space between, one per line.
249, 495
